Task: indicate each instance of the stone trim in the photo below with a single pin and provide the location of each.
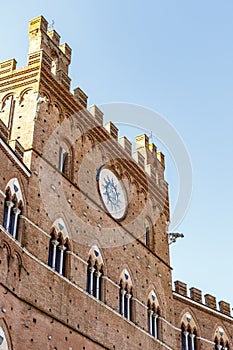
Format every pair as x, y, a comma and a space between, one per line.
15, 158
34, 225
3, 194
77, 256
111, 281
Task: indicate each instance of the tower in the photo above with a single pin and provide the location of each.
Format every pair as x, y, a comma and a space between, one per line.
84, 254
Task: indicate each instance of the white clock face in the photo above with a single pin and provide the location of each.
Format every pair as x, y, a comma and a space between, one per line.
112, 193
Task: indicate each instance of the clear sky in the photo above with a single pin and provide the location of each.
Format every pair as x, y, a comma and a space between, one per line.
174, 57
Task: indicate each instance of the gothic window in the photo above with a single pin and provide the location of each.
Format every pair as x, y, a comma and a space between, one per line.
221, 340
12, 208
153, 314
7, 110
188, 338
126, 295
94, 273
58, 247
188, 333
57, 254
65, 161
148, 233
221, 345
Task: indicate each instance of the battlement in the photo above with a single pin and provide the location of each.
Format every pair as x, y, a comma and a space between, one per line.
145, 154
196, 295
55, 56
48, 59
8, 66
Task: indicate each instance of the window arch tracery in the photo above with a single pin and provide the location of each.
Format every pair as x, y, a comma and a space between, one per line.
153, 314
188, 332
126, 295
95, 273
58, 247
12, 207
221, 340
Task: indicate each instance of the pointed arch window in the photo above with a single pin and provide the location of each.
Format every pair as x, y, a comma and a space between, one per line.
153, 315
58, 247
148, 233
188, 339
188, 333
126, 295
57, 254
7, 110
220, 345
12, 208
66, 160
221, 340
95, 273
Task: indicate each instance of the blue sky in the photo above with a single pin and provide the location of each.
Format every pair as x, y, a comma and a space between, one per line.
174, 57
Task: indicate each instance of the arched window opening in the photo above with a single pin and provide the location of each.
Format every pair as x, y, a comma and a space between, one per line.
188, 333
57, 254
183, 338
65, 161
126, 301
188, 339
12, 208
126, 295
54, 63
148, 233
7, 110
220, 345
95, 273
153, 314
221, 341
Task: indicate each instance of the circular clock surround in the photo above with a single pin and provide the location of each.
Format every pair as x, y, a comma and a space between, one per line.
112, 192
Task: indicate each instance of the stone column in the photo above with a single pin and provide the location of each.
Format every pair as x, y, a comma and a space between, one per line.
98, 275
123, 292
9, 205
16, 211
186, 340
62, 249
54, 243
92, 270
150, 313
128, 297
192, 336
155, 316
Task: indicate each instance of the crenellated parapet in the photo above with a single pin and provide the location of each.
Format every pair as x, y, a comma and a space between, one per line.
45, 48
196, 295
22, 95
145, 154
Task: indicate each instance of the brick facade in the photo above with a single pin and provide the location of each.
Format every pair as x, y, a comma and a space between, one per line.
66, 263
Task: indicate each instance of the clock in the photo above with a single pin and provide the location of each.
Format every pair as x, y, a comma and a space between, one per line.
112, 193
